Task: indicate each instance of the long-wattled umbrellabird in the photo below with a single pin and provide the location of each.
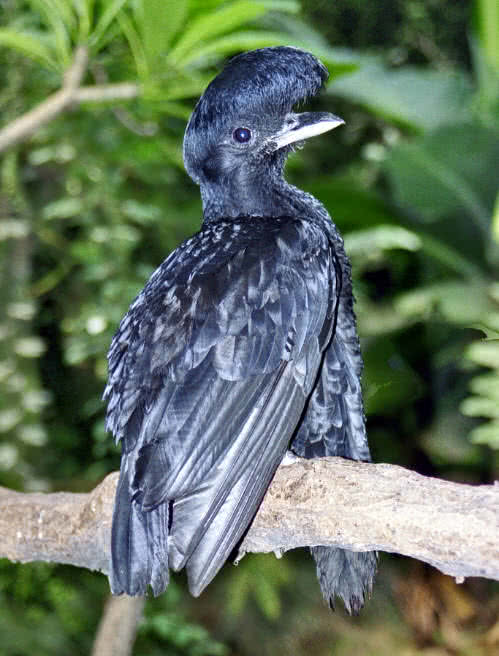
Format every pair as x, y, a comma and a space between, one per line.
242, 345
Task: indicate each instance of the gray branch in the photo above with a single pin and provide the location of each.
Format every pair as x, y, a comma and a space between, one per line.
107, 92
68, 96
330, 501
118, 626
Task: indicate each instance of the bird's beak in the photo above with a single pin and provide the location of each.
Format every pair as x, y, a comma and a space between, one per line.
302, 126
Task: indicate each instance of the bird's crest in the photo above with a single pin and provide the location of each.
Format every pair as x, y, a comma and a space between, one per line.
270, 80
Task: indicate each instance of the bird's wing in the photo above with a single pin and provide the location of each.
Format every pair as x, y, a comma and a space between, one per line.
334, 425
210, 518
209, 374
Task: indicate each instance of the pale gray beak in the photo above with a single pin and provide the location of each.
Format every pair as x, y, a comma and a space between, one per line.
302, 126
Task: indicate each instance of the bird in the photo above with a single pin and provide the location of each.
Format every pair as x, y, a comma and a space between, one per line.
241, 348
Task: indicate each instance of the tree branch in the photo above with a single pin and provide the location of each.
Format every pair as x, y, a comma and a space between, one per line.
70, 94
329, 501
107, 92
118, 626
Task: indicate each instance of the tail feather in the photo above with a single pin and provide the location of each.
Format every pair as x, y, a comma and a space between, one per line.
346, 574
138, 544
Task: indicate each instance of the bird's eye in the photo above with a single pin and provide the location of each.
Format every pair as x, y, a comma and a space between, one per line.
242, 135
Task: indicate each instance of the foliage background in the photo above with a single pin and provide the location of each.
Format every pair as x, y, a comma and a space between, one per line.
97, 198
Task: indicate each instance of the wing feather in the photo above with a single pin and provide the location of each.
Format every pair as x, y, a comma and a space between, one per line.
222, 534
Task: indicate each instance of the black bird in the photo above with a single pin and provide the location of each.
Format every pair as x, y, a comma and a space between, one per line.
242, 345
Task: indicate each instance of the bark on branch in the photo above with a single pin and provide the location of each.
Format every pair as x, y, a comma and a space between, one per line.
69, 95
329, 501
118, 626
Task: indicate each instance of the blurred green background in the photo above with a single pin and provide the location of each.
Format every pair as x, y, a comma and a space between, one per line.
96, 199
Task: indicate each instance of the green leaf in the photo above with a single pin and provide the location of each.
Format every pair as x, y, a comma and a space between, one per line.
29, 44
339, 61
266, 594
490, 332
486, 385
297, 29
181, 87
460, 303
159, 21
486, 434
421, 99
484, 353
367, 243
480, 406
487, 23
65, 10
209, 26
143, 213
378, 318
448, 256
135, 44
243, 40
59, 18
450, 169
84, 10
113, 7
176, 109
486, 100
484, 401
252, 39
239, 589
63, 208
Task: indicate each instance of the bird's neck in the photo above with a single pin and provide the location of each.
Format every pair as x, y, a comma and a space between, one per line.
262, 197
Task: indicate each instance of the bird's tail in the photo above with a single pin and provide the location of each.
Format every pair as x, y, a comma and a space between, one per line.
346, 574
139, 551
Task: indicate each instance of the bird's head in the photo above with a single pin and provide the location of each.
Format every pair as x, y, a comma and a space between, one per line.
244, 126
